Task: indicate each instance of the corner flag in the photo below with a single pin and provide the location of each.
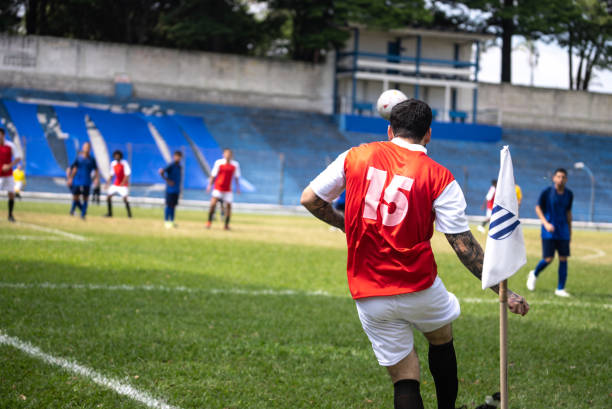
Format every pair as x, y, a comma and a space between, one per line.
505, 250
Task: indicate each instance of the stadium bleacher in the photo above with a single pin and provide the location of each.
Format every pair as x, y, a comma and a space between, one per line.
308, 142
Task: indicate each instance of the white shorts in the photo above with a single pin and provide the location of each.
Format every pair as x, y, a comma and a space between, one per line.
489, 213
388, 321
18, 186
7, 184
118, 190
227, 197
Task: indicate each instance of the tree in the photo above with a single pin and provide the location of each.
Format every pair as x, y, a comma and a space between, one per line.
505, 19
584, 27
9, 15
317, 26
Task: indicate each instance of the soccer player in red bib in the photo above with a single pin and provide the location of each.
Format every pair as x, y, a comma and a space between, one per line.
121, 171
394, 195
223, 173
9, 157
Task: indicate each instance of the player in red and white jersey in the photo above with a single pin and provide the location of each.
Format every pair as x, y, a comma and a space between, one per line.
120, 172
488, 203
9, 157
394, 195
224, 172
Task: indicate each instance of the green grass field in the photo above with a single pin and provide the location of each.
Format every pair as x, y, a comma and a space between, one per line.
260, 317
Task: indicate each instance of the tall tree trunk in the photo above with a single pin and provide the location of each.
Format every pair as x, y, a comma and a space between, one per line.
579, 72
507, 31
589, 67
31, 17
571, 63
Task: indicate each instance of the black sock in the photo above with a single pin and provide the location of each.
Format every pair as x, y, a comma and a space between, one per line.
227, 220
407, 394
127, 207
110, 207
443, 367
211, 214
11, 205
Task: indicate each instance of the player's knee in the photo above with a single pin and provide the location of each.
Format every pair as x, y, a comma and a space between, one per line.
562, 258
548, 260
440, 336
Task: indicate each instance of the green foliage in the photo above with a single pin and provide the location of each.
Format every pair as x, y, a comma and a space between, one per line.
9, 20
584, 27
322, 25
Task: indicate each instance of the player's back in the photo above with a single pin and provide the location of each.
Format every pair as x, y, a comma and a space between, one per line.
390, 192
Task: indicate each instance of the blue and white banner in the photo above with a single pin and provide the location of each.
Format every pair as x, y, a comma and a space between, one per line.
505, 250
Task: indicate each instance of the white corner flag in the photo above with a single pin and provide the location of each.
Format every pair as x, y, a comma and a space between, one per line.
505, 250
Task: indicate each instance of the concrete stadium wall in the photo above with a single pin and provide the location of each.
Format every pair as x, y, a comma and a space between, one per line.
545, 108
58, 64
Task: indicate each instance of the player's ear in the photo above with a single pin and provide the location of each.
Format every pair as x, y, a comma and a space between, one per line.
427, 137
390, 132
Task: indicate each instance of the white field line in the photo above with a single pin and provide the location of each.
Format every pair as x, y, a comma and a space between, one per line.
264, 292
24, 237
51, 230
119, 387
598, 253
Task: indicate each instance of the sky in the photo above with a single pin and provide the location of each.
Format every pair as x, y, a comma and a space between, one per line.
551, 71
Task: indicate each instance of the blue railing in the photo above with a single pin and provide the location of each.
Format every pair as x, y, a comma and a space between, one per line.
399, 58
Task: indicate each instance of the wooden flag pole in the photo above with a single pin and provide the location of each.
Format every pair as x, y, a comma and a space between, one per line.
503, 343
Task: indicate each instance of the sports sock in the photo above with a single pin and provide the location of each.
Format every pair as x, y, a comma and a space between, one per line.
562, 274
407, 394
11, 205
541, 266
211, 214
78, 204
167, 214
443, 367
73, 206
83, 209
172, 214
227, 220
127, 207
109, 203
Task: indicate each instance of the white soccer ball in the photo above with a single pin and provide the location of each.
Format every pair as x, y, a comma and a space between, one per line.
388, 100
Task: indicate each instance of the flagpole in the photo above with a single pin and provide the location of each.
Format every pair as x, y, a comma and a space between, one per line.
503, 343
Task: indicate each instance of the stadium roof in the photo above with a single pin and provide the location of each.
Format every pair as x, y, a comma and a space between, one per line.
442, 32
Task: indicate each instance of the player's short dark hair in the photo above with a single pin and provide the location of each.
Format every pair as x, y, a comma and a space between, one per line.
2, 131
178, 153
562, 170
411, 119
118, 152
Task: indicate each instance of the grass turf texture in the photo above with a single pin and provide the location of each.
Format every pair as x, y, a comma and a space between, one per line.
202, 349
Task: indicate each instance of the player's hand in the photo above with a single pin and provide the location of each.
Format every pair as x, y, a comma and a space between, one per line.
517, 304
161, 171
69, 182
6, 168
549, 227
170, 182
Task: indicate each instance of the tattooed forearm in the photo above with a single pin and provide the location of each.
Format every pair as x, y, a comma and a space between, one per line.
469, 252
321, 209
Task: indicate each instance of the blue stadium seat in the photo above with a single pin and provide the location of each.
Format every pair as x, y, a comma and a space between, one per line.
39, 159
72, 122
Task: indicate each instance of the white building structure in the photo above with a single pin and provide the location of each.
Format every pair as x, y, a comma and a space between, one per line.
439, 67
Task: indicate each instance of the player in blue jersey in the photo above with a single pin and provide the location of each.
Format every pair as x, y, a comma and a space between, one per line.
172, 174
555, 212
83, 170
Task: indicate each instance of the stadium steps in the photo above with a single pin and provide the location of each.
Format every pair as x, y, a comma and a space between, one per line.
55, 137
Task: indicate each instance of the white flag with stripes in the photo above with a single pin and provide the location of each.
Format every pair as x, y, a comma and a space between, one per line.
505, 250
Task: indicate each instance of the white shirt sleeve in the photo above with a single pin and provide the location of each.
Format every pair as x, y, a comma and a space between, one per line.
331, 182
490, 193
237, 172
450, 210
14, 149
215, 169
112, 168
126, 167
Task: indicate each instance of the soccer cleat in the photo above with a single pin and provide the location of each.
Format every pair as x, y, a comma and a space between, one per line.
562, 293
208, 224
108, 215
227, 227
11, 219
168, 225
531, 280
481, 229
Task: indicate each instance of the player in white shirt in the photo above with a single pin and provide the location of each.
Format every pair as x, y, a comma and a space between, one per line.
9, 157
121, 171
